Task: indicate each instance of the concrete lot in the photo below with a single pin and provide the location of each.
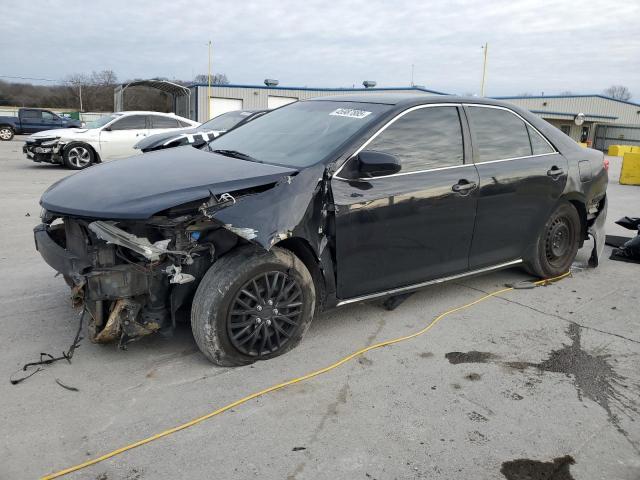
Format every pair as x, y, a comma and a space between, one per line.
554, 374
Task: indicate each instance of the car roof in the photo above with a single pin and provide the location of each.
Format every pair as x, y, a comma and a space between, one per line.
408, 99
146, 112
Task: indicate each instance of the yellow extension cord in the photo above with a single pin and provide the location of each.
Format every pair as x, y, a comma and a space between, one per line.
284, 384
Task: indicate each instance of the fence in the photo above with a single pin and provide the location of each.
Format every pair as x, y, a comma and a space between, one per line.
84, 116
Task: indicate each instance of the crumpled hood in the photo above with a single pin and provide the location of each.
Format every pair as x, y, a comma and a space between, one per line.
59, 132
137, 187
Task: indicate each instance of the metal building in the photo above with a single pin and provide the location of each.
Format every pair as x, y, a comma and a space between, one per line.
225, 98
606, 121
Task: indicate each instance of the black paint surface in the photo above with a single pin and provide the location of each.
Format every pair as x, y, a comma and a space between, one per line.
524, 469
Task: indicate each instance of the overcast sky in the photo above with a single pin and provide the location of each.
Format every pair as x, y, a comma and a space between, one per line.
534, 45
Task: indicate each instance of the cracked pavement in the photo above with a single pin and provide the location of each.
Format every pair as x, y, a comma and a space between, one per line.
403, 411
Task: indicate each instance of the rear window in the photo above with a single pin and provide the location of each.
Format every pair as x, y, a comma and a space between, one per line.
498, 134
538, 144
159, 121
226, 121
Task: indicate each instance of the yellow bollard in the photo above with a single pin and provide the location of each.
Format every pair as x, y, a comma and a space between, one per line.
630, 173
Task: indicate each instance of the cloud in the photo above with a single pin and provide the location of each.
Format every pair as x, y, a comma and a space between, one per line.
533, 45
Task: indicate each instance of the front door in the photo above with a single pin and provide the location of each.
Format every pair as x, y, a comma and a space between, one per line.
521, 179
118, 138
401, 229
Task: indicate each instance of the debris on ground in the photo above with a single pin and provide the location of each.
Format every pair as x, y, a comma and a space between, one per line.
73, 389
626, 249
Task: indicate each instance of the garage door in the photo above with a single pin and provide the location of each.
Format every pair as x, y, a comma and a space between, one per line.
275, 102
218, 106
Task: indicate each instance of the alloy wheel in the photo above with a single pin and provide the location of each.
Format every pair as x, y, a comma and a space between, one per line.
265, 313
5, 133
79, 157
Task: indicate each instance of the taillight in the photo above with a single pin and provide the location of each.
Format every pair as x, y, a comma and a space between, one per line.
605, 164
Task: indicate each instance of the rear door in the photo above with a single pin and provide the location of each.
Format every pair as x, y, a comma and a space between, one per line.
416, 225
31, 120
521, 179
117, 140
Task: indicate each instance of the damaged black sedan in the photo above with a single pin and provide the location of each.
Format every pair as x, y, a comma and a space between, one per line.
318, 204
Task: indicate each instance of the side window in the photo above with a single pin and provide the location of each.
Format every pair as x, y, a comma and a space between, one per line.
49, 117
31, 115
499, 134
538, 144
184, 124
158, 121
423, 139
132, 122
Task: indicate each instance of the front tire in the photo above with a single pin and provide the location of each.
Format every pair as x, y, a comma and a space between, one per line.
78, 156
557, 244
252, 305
6, 133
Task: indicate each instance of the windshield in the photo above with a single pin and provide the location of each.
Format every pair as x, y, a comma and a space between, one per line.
226, 121
300, 134
102, 121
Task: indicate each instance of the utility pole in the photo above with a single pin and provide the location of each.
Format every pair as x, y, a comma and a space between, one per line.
80, 89
412, 84
484, 68
209, 88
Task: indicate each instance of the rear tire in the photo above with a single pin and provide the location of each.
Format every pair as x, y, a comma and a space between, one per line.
557, 244
6, 133
78, 156
252, 305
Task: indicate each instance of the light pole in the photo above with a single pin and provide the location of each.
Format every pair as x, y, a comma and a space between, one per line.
484, 68
209, 87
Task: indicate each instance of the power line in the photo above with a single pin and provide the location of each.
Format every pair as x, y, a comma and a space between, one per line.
30, 78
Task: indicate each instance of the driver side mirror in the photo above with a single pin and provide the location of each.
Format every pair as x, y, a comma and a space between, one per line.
377, 164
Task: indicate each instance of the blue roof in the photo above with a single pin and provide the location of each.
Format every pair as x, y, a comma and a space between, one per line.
542, 112
359, 89
519, 97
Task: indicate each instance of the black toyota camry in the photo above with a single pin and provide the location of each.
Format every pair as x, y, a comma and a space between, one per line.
318, 204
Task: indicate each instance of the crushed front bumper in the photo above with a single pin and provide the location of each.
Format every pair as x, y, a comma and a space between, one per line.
41, 154
125, 302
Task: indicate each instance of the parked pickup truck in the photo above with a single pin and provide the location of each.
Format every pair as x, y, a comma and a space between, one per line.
32, 120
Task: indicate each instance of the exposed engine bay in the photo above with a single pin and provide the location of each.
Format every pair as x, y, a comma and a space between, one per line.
134, 276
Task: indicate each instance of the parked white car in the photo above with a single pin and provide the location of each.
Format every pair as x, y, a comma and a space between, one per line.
110, 137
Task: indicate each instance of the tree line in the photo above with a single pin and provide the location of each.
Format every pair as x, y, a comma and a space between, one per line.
618, 92
94, 92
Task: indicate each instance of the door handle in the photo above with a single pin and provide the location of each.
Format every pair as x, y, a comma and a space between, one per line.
555, 171
463, 186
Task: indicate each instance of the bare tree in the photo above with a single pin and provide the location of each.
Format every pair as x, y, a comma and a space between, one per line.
619, 92
216, 79
93, 92
567, 93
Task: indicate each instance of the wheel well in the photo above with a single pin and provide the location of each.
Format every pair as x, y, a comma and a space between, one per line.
96, 156
582, 213
301, 249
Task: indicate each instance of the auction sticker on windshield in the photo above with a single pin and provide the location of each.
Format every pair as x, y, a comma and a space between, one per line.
350, 112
